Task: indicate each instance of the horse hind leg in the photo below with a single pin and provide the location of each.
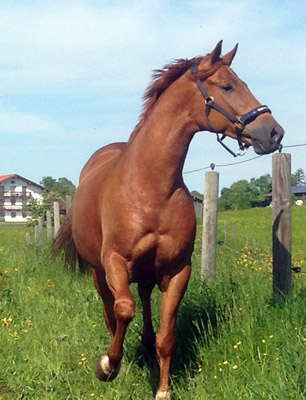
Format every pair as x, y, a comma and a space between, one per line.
102, 367
148, 335
119, 310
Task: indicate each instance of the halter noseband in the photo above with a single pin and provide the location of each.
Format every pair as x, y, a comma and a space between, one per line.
239, 122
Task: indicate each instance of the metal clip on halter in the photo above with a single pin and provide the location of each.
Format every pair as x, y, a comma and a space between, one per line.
240, 152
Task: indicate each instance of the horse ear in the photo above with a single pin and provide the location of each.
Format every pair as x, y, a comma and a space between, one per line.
228, 58
216, 53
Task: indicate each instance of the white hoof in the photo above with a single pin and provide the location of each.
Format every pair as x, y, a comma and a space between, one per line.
162, 395
104, 363
103, 370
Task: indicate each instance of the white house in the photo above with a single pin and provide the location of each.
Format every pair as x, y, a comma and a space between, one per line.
15, 192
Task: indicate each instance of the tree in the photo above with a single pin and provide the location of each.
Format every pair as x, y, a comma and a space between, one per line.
63, 187
298, 178
48, 182
263, 186
243, 194
59, 188
56, 190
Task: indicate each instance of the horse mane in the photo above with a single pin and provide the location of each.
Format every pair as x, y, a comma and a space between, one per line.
161, 80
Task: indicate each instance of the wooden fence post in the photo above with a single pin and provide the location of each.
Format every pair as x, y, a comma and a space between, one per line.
209, 232
56, 216
49, 224
68, 203
40, 228
281, 200
28, 239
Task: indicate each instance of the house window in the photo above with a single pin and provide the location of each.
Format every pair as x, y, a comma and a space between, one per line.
24, 215
13, 189
2, 215
13, 214
1, 190
13, 201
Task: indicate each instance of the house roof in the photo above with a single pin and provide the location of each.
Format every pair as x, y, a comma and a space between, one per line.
3, 178
298, 189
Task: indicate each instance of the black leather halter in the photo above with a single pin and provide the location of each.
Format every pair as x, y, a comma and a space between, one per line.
239, 122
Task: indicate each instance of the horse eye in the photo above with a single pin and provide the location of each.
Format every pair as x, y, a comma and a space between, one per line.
227, 88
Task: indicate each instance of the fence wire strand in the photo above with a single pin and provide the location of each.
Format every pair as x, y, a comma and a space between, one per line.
238, 162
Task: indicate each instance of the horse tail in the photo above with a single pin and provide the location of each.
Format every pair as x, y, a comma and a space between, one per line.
64, 242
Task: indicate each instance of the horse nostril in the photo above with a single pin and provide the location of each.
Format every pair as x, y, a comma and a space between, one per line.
276, 135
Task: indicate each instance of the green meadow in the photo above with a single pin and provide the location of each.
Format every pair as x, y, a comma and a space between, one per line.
232, 341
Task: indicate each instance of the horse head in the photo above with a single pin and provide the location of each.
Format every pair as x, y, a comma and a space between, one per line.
229, 108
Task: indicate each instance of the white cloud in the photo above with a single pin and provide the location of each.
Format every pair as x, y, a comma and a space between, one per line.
25, 123
48, 46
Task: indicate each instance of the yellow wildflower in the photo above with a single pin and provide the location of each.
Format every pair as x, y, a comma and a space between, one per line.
7, 321
50, 284
235, 367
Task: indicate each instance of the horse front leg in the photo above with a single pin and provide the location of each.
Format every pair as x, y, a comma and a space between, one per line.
118, 312
165, 339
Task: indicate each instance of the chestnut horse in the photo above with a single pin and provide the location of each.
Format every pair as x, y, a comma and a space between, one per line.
133, 219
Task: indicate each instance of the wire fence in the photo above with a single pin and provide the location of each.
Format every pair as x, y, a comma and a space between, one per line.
212, 165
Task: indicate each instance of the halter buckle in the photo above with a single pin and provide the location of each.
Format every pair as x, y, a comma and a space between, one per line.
239, 123
209, 101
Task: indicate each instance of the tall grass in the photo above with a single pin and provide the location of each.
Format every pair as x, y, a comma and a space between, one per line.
232, 342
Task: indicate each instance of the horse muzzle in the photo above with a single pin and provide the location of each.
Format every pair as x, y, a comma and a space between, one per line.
266, 139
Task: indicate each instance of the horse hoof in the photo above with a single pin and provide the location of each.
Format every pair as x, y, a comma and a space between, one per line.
162, 395
103, 370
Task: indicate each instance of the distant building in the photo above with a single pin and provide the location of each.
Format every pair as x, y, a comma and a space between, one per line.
298, 191
15, 192
198, 204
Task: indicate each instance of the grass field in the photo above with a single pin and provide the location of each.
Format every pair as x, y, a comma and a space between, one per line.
232, 342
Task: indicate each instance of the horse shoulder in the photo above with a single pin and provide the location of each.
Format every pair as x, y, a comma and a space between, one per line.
177, 226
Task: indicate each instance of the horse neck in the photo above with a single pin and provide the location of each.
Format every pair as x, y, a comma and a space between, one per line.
160, 147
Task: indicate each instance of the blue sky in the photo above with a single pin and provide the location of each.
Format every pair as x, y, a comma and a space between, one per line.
73, 73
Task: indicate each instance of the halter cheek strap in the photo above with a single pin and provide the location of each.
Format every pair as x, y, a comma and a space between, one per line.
239, 122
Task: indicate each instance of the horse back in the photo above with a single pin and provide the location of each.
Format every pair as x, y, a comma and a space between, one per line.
101, 157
